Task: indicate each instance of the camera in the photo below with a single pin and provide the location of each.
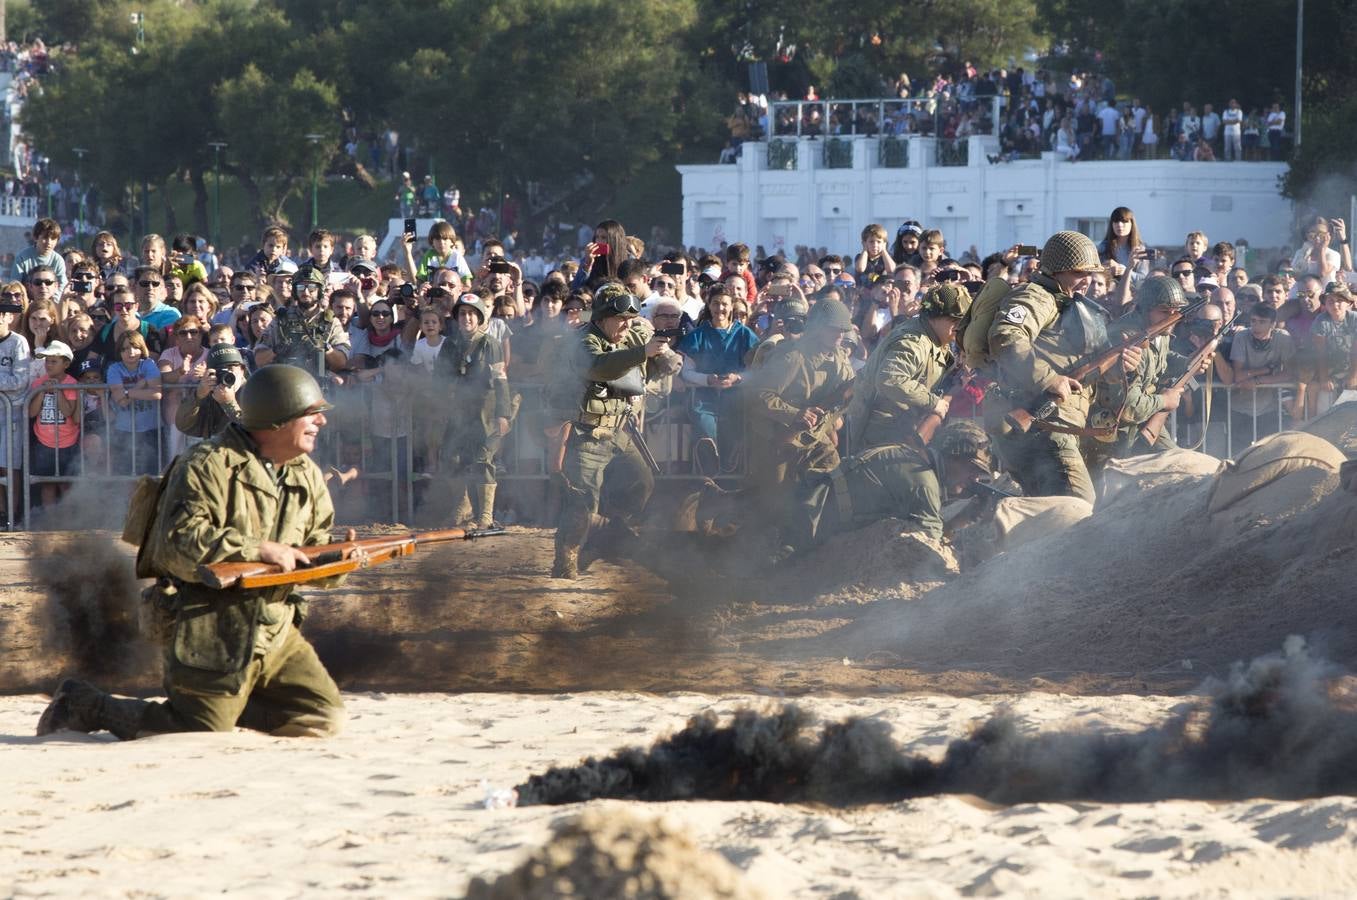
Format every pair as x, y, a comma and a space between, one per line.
500, 267
672, 268
225, 376
1029, 250
407, 291
82, 287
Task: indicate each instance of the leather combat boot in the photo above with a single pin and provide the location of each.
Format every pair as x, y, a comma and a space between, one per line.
485, 502
566, 564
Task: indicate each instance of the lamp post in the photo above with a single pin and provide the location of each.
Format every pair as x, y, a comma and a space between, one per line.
315, 140
1300, 46
80, 219
217, 147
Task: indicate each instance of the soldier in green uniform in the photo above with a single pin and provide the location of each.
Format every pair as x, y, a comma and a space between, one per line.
1124, 399
470, 366
1040, 330
232, 657
901, 481
611, 362
899, 384
794, 403
305, 333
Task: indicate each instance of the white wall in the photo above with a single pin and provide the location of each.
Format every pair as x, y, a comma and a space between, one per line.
990, 206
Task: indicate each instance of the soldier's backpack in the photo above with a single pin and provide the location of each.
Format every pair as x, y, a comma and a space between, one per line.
975, 339
141, 510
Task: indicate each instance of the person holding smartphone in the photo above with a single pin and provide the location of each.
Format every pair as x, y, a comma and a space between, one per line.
1316, 256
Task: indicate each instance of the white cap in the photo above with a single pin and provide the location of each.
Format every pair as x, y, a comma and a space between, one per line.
54, 348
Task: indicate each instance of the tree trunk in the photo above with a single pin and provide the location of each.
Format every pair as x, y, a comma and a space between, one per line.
171, 218
284, 189
200, 222
255, 198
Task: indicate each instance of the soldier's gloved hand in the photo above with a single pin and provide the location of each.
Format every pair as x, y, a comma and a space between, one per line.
284, 556
1130, 359
1064, 387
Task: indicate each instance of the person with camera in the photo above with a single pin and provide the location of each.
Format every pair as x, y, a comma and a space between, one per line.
206, 411
305, 333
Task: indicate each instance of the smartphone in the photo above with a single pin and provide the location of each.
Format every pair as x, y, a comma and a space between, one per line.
672, 268
410, 229
500, 267
603, 249
1029, 250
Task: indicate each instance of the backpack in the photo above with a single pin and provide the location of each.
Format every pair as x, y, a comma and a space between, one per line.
975, 338
141, 513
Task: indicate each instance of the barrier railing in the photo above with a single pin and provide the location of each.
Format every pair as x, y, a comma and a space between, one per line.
378, 434
883, 117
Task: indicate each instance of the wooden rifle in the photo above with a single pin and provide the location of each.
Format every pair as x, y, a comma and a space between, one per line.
1154, 425
1095, 366
329, 560
809, 437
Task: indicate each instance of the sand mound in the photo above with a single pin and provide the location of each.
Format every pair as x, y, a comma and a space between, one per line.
1338, 426
1151, 583
612, 853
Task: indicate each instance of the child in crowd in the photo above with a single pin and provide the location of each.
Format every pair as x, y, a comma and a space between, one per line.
273, 252
431, 419
737, 263
873, 262
321, 245
46, 236
14, 378
56, 421
184, 264
153, 254
134, 381
92, 447
443, 253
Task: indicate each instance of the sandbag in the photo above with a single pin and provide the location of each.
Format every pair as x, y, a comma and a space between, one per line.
1338, 426
1269, 461
1021, 520
1153, 469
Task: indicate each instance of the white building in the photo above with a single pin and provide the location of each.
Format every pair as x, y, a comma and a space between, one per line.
821, 192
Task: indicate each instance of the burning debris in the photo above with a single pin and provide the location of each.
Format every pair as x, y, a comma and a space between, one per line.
1271, 729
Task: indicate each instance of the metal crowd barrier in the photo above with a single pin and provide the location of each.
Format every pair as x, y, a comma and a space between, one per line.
378, 433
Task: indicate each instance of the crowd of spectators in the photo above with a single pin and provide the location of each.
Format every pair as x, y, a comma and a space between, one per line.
1078, 116
162, 329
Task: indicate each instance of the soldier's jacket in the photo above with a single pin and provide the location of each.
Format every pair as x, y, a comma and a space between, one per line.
1039, 333
895, 387
303, 340
472, 369
596, 361
221, 500
1137, 396
789, 384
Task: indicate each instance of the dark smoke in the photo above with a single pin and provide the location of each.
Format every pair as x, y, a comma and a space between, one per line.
1272, 729
90, 612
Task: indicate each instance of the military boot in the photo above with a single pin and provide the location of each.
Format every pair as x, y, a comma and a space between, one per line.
74, 707
461, 503
566, 564
485, 501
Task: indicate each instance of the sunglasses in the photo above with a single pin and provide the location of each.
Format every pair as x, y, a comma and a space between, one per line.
834, 270
188, 332
241, 288
13, 295
83, 276
661, 284
1182, 273
307, 286
123, 307
150, 283
45, 282
380, 314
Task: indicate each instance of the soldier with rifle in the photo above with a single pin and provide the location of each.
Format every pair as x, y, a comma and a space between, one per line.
1039, 331
231, 657
903, 394
1125, 400
795, 402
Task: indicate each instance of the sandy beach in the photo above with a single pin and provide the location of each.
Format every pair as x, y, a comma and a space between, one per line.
394, 807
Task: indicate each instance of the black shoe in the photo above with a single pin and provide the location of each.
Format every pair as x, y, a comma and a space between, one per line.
73, 708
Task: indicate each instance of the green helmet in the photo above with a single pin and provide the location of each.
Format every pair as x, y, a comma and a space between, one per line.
1160, 292
950, 300
308, 275
277, 394
965, 441
613, 300
830, 313
791, 307
473, 301
1069, 251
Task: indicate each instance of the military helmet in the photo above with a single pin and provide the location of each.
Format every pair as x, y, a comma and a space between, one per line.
613, 300
474, 301
1069, 251
308, 275
794, 306
830, 313
1160, 292
966, 441
277, 394
949, 300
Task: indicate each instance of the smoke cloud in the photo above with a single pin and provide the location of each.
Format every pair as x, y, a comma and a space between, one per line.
1275, 727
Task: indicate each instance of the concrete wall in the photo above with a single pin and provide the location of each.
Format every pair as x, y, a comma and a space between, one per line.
990, 206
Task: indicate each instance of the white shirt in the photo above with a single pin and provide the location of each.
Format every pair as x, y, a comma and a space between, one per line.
423, 355
1109, 116
1232, 119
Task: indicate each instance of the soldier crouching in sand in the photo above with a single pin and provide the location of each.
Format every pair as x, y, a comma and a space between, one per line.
232, 657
